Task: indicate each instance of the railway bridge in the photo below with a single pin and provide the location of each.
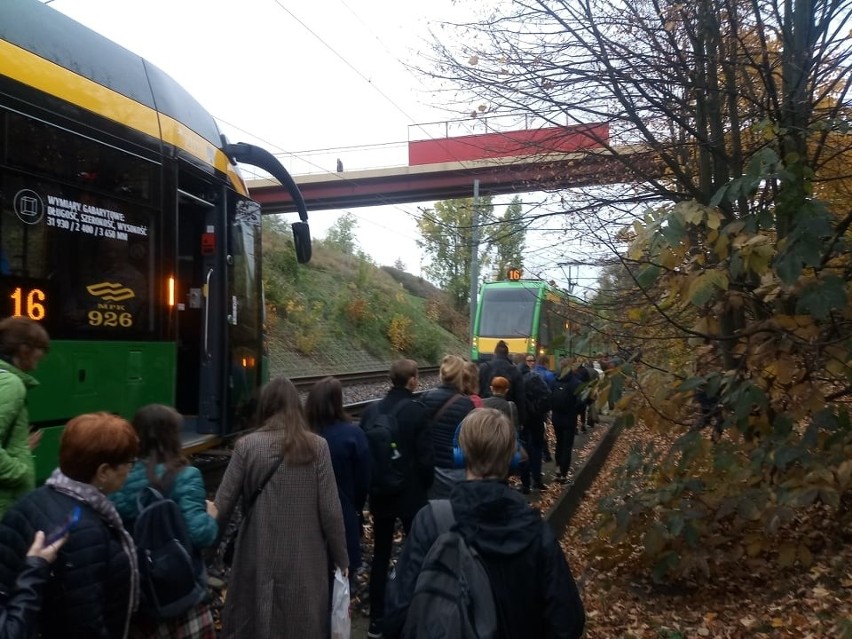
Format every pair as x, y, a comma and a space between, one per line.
444, 166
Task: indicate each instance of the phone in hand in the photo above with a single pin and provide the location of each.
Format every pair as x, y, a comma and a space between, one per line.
66, 527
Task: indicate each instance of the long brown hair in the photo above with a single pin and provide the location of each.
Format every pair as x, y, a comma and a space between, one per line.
158, 427
324, 405
279, 408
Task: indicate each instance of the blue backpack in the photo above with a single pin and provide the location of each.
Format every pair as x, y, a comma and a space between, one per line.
172, 577
452, 597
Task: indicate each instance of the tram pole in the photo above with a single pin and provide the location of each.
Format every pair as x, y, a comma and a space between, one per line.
474, 256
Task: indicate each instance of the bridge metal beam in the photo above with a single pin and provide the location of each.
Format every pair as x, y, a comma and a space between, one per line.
451, 180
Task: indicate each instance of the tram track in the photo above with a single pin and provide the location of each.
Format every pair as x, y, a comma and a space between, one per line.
304, 383
213, 460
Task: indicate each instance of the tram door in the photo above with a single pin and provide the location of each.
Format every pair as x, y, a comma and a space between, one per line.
199, 309
244, 310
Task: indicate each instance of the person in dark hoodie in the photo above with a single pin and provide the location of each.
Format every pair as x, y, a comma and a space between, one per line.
534, 592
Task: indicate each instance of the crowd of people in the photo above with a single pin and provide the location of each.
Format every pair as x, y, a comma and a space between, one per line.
302, 481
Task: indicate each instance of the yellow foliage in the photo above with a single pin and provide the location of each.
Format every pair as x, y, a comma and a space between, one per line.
399, 332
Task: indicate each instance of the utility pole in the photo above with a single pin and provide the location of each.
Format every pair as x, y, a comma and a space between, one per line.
474, 256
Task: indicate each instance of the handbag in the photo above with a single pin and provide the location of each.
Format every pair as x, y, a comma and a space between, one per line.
240, 516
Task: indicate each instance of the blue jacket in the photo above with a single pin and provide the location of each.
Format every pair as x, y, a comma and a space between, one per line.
188, 492
88, 593
546, 374
350, 458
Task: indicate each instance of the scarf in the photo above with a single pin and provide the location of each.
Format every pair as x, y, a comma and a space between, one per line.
91, 496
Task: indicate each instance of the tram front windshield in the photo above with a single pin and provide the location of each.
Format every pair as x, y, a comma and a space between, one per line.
507, 312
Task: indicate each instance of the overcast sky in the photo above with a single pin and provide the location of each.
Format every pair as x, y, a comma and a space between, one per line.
296, 76
293, 76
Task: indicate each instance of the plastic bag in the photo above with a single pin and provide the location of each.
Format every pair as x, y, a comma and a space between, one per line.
340, 622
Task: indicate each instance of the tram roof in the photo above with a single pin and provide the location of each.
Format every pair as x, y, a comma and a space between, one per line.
53, 36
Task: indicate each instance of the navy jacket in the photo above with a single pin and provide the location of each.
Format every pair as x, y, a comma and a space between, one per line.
415, 445
444, 428
88, 593
350, 458
533, 589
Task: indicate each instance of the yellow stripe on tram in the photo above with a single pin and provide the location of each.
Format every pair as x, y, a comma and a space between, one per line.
53, 79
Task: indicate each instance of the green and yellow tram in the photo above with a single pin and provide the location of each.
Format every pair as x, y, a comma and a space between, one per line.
127, 230
533, 317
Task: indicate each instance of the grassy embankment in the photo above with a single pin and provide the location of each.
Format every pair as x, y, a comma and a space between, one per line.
342, 313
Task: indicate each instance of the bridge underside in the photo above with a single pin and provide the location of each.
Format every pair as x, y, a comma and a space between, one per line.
445, 181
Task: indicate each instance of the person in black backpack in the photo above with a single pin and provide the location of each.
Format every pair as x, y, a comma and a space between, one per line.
162, 466
537, 402
389, 501
534, 594
565, 407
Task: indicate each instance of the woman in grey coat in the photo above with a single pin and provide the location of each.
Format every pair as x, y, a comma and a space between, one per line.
279, 584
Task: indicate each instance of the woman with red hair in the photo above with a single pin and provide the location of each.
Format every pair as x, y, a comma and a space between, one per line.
94, 584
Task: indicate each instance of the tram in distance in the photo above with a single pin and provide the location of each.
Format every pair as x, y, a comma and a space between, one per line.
128, 232
532, 317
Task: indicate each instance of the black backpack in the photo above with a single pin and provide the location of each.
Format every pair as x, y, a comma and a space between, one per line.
172, 579
537, 394
498, 367
564, 398
452, 596
389, 466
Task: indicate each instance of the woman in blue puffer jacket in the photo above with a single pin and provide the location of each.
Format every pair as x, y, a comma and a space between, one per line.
163, 466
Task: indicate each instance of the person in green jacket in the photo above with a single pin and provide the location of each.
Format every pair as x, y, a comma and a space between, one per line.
23, 342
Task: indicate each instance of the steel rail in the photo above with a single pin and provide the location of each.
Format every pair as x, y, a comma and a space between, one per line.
304, 383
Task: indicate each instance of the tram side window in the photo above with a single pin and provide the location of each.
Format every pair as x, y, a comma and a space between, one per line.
41, 148
545, 334
244, 236
81, 264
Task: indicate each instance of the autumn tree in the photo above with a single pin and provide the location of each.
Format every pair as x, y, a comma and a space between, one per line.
507, 236
724, 195
341, 235
447, 237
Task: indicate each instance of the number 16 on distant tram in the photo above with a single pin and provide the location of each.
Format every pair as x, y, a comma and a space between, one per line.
126, 229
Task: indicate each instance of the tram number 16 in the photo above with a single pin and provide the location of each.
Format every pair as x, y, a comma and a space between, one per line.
29, 303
